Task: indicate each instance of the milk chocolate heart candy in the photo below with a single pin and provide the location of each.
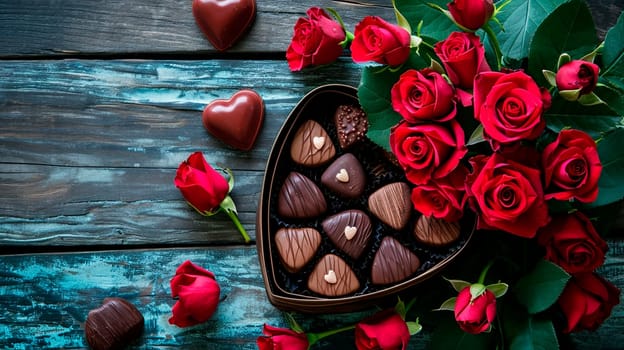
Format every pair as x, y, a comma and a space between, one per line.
236, 121
223, 22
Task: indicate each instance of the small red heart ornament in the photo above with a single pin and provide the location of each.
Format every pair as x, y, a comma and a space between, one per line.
236, 121
223, 22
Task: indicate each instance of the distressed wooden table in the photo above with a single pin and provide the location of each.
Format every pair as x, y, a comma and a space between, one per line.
99, 103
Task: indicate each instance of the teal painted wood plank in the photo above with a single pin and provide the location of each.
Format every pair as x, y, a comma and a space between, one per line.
46, 298
89, 149
145, 27
140, 113
138, 27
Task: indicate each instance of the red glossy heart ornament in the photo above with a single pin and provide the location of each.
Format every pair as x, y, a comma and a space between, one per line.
223, 22
236, 121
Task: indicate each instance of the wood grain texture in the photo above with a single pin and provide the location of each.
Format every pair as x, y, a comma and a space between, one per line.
118, 27
143, 27
46, 299
89, 148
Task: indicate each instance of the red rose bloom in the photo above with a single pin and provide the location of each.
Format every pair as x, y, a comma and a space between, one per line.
577, 74
471, 14
197, 293
443, 198
509, 105
463, 56
202, 187
571, 241
587, 301
385, 330
423, 96
475, 315
281, 339
571, 167
506, 195
427, 151
379, 41
316, 40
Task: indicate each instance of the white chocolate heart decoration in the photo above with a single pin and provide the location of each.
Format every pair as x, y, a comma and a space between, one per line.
342, 176
350, 232
318, 142
330, 277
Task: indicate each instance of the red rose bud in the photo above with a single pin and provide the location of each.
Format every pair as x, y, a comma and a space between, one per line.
509, 105
572, 167
423, 95
281, 339
587, 301
429, 150
197, 293
471, 14
443, 198
316, 40
379, 41
463, 56
506, 195
475, 309
385, 330
571, 241
202, 187
577, 75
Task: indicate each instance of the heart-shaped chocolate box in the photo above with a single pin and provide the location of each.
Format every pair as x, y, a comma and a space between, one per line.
288, 288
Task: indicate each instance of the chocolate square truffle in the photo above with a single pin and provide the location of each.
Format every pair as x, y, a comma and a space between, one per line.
114, 325
351, 125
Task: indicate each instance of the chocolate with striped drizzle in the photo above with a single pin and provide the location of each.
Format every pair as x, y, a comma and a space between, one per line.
393, 262
297, 246
311, 145
345, 280
392, 204
300, 198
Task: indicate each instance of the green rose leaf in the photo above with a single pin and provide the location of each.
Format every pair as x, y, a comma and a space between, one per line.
595, 120
612, 73
569, 29
374, 97
434, 23
540, 288
611, 183
449, 336
527, 332
520, 20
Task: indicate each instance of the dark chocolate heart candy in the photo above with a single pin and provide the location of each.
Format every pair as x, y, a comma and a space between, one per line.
223, 22
349, 230
236, 121
297, 246
300, 198
113, 325
393, 262
345, 176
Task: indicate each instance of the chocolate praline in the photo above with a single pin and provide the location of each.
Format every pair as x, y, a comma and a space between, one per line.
345, 176
114, 325
300, 198
349, 230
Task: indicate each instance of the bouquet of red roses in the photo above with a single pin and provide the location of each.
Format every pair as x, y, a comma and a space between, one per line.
512, 110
